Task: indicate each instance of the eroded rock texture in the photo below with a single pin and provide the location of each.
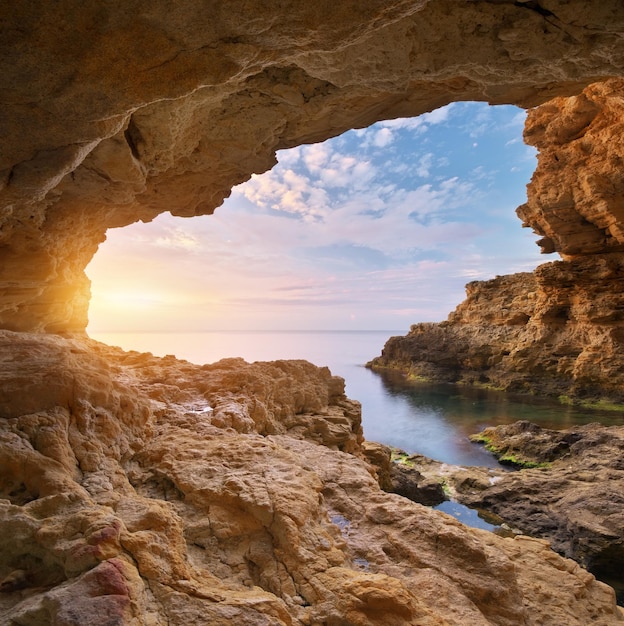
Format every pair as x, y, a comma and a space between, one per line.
557, 331
569, 488
560, 329
575, 199
116, 113
138, 490
574, 499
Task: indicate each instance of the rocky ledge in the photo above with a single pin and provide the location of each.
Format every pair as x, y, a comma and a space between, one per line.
143, 490
557, 331
569, 490
573, 495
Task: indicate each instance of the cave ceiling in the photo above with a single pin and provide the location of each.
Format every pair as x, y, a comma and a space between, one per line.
113, 114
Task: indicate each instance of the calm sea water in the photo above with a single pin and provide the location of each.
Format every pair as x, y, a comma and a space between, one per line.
434, 420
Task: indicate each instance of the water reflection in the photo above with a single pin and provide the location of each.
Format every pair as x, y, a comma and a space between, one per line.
437, 419
475, 518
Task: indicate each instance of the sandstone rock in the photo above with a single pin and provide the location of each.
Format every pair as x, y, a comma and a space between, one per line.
380, 457
260, 517
397, 473
574, 199
164, 108
554, 332
559, 330
110, 593
137, 490
575, 500
410, 483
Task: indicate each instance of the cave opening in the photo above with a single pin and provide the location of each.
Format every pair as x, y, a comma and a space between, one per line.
372, 230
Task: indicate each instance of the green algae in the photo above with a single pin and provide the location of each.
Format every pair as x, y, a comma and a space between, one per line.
400, 457
505, 457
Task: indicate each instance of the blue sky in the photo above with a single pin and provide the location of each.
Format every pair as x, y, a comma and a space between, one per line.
376, 229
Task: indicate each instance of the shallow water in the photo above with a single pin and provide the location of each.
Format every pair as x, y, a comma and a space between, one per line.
473, 517
437, 419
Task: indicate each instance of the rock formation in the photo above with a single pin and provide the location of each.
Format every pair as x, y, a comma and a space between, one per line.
574, 499
556, 331
112, 115
140, 490
136, 490
560, 329
568, 490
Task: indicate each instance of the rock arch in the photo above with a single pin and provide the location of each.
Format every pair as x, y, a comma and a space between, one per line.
159, 491
115, 115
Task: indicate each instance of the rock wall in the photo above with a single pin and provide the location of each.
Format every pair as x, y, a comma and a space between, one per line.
113, 114
576, 195
559, 330
136, 490
579, 479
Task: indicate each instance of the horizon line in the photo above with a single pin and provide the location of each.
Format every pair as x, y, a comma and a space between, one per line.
248, 330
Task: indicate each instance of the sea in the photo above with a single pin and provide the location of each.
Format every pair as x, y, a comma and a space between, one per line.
433, 420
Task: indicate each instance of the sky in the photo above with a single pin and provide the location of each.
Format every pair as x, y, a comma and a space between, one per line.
376, 229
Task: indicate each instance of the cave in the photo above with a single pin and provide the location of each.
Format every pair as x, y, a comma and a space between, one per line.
169, 129
115, 114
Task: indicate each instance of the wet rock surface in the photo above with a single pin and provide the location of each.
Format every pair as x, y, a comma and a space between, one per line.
397, 473
576, 500
569, 492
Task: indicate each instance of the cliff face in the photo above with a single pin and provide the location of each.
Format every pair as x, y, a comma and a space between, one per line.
559, 330
138, 490
575, 199
114, 115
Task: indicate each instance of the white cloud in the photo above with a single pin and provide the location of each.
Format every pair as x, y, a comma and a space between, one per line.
518, 120
316, 156
290, 157
439, 115
344, 227
285, 190
178, 238
383, 137
423, 168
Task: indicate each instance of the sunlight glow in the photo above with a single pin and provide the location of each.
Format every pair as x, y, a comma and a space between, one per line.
132, 300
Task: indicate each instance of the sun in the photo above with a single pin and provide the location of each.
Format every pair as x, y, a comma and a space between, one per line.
127, 309
135, 300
